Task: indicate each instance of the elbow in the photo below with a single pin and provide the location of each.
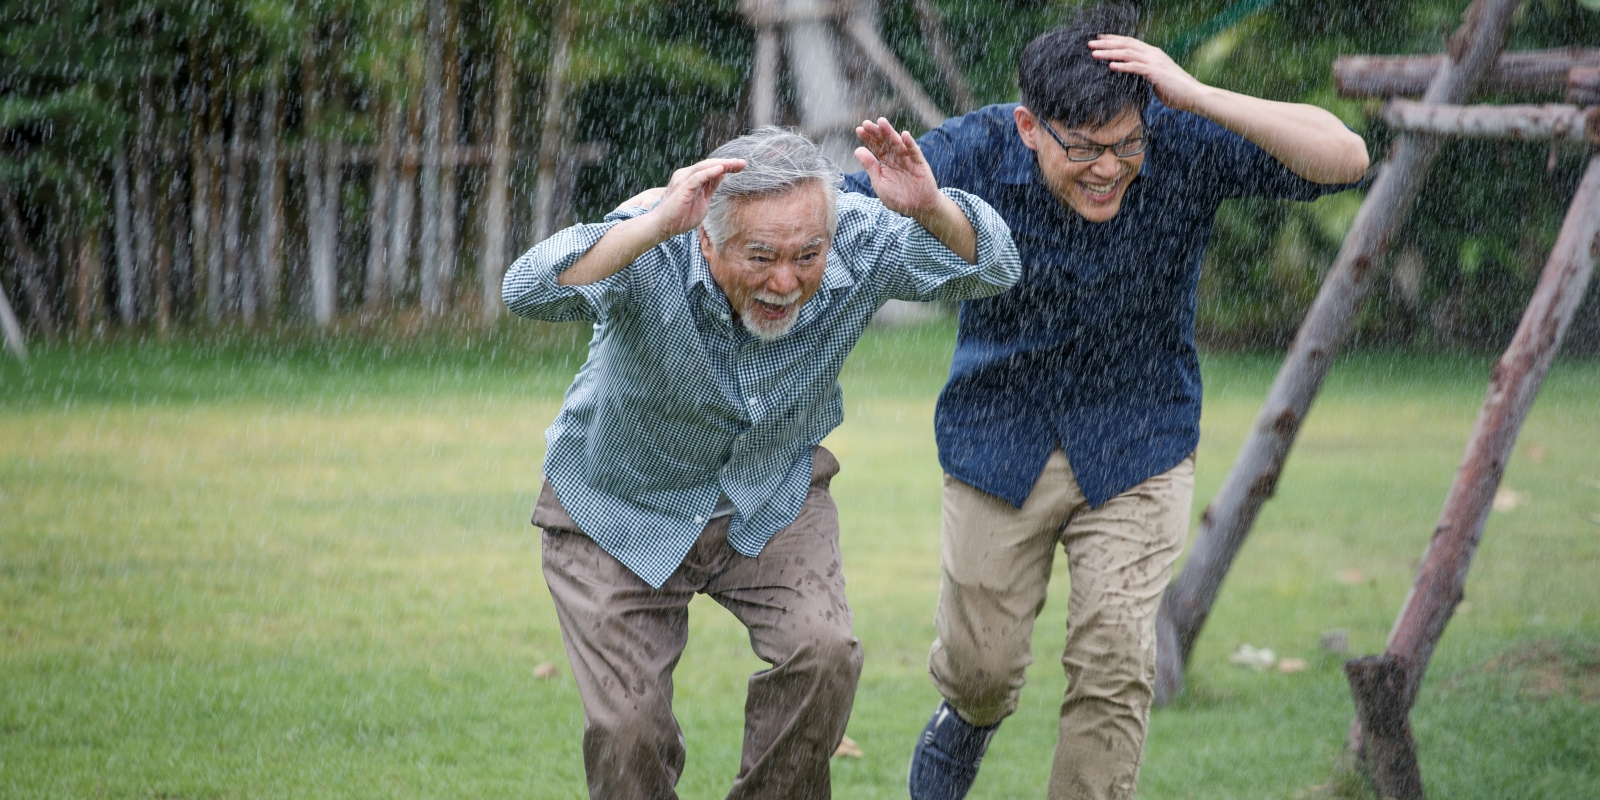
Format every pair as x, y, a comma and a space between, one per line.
1356, 160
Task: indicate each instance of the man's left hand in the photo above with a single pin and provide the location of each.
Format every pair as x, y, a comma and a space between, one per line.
900, 175
1174, 87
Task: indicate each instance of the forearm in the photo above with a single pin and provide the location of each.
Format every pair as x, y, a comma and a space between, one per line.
1310, 141
619, 247
949, 224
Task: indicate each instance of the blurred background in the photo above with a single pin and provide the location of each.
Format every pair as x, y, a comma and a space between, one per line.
172, 165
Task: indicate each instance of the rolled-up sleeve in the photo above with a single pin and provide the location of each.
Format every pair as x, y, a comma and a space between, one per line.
530, 288
922, 269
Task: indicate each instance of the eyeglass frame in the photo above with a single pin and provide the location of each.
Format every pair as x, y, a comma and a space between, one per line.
1100, 149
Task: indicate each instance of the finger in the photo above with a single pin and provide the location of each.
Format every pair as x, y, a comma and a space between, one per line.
869, 162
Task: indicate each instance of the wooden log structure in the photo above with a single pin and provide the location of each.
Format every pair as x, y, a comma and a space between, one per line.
1226, 522
1513, 385
1518, 123
1377, 685
1583, 86
1535, 71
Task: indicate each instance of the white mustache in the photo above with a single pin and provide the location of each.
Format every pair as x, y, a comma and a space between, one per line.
777, 299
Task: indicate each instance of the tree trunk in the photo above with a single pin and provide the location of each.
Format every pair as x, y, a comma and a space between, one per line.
163, 265
233, 212
1513, 386
144, 227
200, 220
450, 139
1226, 522
15, 341
830, 103
492, 261
552, 124
319, 260
89, 280
382, 192
216, 290
269, 206
405, 201
31, 271
327, 296
122, 231
432, 121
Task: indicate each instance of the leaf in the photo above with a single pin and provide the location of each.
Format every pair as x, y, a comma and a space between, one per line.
1290, 666
848, 749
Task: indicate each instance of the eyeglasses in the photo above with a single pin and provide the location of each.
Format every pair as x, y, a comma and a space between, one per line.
1127, 148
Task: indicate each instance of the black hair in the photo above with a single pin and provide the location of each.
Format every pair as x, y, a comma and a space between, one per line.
1062, 82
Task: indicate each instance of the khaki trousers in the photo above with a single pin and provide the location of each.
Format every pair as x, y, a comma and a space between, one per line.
996, 563
624, 639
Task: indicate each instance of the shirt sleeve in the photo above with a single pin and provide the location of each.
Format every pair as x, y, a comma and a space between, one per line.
530, 288
912, 264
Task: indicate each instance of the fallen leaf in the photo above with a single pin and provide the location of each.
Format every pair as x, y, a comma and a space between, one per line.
1290, 666
545, 671
1507, 499
1535, 454
848, 749
1350, 577
1258, 659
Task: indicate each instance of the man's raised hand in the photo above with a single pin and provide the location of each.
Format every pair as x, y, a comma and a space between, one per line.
899, 174
688, 195
1174, 87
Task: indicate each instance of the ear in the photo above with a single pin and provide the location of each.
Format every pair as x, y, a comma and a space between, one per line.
1027, 127
705, 244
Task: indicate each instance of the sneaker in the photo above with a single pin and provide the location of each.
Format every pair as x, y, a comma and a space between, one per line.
945, 761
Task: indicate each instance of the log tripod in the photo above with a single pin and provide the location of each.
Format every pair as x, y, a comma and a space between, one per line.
1385, 687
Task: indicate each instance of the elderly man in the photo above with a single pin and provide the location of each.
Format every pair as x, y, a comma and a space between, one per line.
685, 458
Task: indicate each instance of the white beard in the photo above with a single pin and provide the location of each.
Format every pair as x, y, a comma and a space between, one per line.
764, 329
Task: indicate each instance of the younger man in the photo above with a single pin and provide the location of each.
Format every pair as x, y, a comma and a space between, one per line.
1073, 406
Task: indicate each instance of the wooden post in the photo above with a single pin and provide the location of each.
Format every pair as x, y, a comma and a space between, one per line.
939, 47
861, 30
1227, 520
764, 76
1377, 685
1519, 123
1513, 385
1388, 76
492, 260
1583, 86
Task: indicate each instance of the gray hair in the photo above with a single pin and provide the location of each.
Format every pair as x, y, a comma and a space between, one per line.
776, 161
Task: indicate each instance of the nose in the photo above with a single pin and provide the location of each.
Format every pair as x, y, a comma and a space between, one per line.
783, 279
1107, 165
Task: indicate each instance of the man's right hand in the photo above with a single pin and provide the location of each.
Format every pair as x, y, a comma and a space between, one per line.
687, 197
681, 208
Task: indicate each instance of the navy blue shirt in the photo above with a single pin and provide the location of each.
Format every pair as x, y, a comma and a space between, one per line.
1093, 349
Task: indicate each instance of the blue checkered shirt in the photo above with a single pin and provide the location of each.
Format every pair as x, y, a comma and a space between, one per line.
677, 405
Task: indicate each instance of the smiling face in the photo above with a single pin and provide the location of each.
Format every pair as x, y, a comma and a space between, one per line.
1095, 188
773, 260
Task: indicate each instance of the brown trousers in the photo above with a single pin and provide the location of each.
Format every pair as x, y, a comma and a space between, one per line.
624, 639
996, 562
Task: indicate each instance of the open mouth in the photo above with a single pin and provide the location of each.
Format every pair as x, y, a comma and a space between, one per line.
773, 311
1100, 192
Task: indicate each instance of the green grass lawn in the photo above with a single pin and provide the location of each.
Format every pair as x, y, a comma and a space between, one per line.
234, 569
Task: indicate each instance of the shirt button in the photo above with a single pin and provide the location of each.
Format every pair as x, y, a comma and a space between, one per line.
751, 400
699, 519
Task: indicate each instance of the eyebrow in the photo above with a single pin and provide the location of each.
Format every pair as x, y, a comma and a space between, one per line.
767, 248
